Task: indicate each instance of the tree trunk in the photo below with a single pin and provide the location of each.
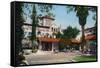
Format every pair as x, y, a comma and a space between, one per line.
82, 39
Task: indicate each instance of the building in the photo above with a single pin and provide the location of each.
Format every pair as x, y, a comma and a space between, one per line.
46, 27
90, 31
91, 40
44, 32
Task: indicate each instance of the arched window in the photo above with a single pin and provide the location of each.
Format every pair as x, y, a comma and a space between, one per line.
52, 28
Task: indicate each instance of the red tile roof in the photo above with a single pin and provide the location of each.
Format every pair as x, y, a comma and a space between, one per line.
74, 41
90, 37
46, 39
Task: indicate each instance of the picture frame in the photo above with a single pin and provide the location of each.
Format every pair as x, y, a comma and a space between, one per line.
51, 33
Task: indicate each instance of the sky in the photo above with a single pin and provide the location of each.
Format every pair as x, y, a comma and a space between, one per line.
62, 17
66, 19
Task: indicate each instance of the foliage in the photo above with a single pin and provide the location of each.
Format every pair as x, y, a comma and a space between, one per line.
82, 13
67, 34
18, 30
34, 22
62, 45
58, 34
70, 32
46, 9
34, 50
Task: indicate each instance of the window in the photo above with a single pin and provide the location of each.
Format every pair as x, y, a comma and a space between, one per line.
25, 33
30, 33
52, 28
38, 32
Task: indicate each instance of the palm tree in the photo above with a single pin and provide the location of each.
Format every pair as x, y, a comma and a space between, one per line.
82, 13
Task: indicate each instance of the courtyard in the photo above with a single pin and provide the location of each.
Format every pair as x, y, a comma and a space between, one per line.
50, 57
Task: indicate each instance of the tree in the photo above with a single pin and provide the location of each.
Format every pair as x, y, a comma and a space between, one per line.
82, 13
70, 32
65, 38
34, 22
18, 30
46, 9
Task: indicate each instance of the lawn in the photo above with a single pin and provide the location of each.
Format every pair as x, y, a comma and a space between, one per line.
85, 58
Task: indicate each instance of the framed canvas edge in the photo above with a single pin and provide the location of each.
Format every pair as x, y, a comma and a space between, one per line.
12, 40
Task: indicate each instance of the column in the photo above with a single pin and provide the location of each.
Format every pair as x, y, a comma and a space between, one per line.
52, 47
40, 46
80, 48
57, 47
